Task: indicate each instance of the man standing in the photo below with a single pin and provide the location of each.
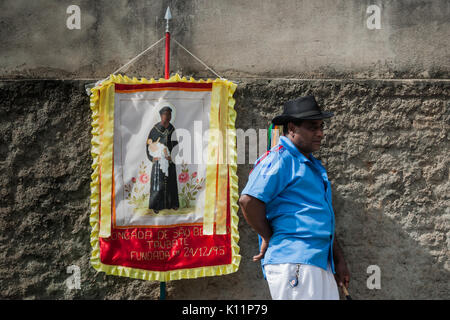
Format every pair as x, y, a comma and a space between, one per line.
287, 201
163, 183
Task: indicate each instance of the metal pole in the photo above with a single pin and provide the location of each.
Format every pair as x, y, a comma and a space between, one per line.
167, 64
162, 291
168, 16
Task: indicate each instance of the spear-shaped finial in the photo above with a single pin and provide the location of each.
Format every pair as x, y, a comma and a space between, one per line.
168, 17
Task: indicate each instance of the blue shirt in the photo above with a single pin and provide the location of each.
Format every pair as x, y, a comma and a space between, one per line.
297, 195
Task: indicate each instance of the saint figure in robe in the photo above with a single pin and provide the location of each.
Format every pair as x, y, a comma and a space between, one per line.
163, 178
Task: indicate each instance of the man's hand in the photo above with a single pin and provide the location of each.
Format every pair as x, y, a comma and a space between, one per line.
342, 275
254, 212
262, 251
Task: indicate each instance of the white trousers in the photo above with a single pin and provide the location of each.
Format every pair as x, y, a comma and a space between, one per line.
314, 283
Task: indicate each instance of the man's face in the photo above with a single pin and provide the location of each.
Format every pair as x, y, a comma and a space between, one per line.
166, 116
307, 136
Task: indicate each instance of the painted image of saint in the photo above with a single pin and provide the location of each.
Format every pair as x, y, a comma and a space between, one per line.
163, 177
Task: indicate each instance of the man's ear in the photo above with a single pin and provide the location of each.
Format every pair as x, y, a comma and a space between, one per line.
290, 127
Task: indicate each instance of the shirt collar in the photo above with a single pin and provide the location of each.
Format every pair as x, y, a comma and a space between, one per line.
285, 142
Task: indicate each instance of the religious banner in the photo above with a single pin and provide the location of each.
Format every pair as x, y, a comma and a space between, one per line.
164, 187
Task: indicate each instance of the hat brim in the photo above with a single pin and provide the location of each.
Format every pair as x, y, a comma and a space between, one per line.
282, 119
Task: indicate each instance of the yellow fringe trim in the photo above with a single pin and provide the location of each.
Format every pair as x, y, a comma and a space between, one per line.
106, 157
163, 276
211, 165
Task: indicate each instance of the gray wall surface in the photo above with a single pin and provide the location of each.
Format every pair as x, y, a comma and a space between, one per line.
305, 39
386, 150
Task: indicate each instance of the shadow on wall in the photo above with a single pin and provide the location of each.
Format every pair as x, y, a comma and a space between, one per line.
370, 237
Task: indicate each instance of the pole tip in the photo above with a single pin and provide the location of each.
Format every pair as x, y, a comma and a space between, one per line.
168, 15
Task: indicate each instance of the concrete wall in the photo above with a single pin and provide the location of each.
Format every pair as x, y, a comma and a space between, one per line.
295, 38
386, 150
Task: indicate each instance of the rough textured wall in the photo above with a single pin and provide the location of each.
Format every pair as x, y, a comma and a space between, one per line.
386, 151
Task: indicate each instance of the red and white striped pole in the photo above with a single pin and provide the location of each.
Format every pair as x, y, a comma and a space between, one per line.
167, 17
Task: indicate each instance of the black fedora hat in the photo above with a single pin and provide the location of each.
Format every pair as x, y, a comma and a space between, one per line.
304, 108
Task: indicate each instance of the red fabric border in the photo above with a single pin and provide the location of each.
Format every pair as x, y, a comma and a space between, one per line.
165, 249
185, 85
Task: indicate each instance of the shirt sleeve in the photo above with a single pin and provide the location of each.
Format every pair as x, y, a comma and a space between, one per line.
268, 178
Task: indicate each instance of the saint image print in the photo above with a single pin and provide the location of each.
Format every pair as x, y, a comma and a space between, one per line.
158, 179
163, 177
